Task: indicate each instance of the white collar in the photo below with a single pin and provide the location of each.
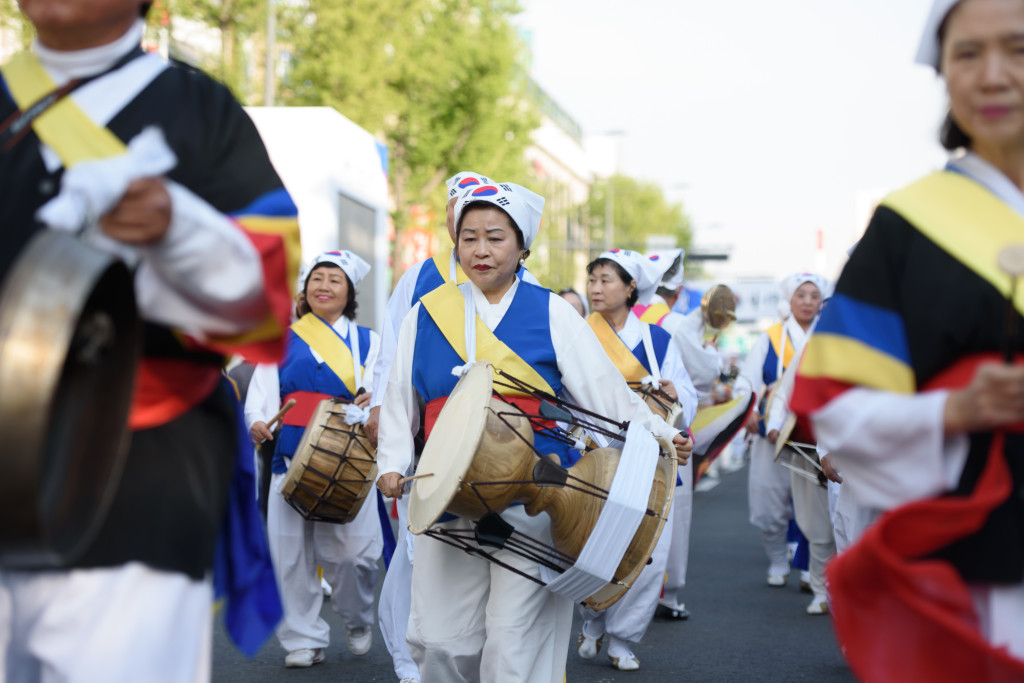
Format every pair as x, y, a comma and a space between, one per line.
65, 65
989, 177
632, 331
491, 314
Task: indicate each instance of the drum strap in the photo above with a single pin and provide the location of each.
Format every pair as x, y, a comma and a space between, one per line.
616, 349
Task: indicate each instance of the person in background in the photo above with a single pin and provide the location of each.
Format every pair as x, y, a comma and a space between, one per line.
644, 354
772, 353
577, 301
328, 357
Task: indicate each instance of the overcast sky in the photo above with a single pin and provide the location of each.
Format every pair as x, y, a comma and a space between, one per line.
768, 120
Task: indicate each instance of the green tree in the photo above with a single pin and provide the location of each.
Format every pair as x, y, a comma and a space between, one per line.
437, 80
639, 209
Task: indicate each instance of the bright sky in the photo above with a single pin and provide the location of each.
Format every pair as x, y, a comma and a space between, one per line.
768, 120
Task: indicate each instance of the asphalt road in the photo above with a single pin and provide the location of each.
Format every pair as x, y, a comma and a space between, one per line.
740, 629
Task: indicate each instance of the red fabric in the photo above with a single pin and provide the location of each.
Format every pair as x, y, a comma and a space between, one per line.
528, 404
810, 394
305, 405
166, 389
269, 345
900, 618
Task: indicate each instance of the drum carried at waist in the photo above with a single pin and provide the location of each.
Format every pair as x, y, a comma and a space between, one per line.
333, 468
480, 459
796, 451
660, 404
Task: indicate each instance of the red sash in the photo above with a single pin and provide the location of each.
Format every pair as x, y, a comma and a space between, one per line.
528, 404
167, 388
903, 618
305, 405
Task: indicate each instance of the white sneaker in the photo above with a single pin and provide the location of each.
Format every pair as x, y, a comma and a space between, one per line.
301, 659
778, 575
819, 605
621, 657
409, 680
359, 640
325, 587
588, 646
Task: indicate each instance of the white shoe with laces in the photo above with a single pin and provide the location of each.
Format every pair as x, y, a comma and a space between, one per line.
304, 658
778, 575
359, 640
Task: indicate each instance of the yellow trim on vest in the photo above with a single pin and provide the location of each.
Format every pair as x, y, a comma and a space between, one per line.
622, 356
330, 346
965, 220
775, 333
447, 308
64, 126
442, 261
654, 313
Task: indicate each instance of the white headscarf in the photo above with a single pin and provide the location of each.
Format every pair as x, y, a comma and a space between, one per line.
793, 282
523, 206
640, 268
354, 266
929, 51
462, 181
663, 261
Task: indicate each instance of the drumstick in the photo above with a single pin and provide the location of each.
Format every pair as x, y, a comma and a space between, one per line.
403, 480
284, 409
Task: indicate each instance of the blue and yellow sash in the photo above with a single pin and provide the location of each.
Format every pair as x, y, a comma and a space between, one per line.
622, 356
325, 341
447, 307
947, 207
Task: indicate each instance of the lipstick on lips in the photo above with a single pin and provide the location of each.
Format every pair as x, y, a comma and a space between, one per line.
481, 267
995, 111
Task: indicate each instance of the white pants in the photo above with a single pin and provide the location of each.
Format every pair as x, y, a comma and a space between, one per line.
679, 550
810, 505
472, 620
113, 624
348, 555
395, 598
629, 618
770, 509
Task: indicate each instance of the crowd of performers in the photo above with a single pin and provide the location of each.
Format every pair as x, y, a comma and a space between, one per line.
886, 427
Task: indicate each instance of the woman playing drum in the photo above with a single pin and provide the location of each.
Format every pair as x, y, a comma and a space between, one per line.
642, 352
472, 620
319, 364
769, 486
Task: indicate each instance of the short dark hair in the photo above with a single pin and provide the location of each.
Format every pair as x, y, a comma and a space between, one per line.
302, 305
951, 136
621, 272
472, 206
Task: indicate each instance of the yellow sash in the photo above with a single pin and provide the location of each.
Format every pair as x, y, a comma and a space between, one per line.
654, 313
64, 126
330, 346
775, 333
965, 220
442, 261
621, 355
447, 307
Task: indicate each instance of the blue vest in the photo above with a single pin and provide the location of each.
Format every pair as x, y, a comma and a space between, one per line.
300, 372
660, 339
525, 329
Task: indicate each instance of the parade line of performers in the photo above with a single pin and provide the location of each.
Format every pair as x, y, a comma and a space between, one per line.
883, 418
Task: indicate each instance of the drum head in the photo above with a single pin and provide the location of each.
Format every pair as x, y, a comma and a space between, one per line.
451, 447
311, 435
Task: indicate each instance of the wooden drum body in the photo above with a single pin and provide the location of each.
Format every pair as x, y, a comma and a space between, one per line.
480, 459
333, 469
